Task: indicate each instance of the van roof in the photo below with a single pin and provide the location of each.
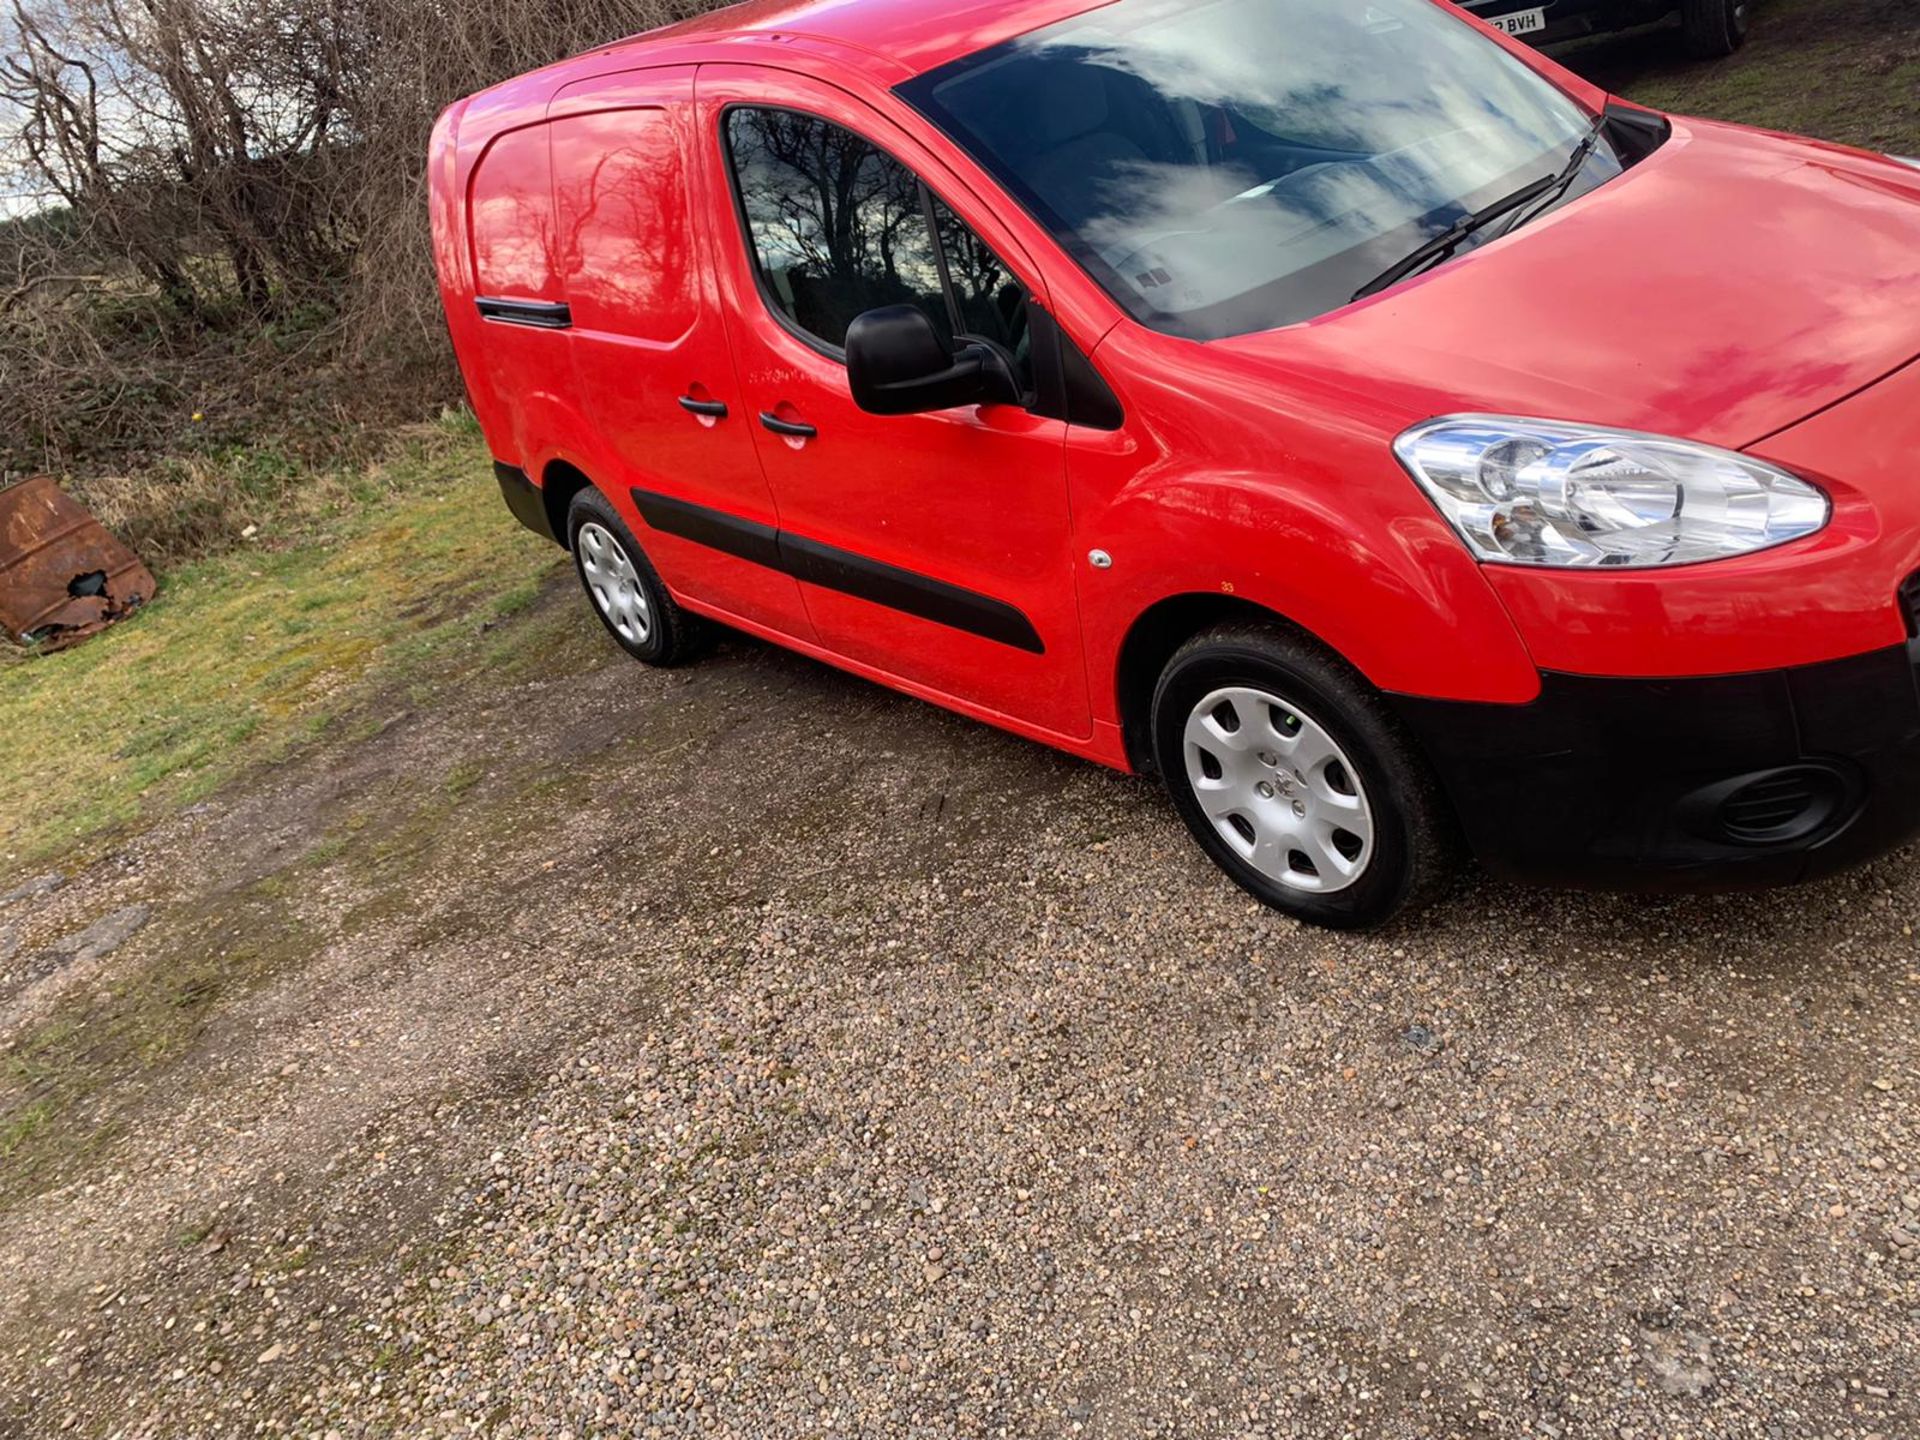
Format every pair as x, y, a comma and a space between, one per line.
918, 35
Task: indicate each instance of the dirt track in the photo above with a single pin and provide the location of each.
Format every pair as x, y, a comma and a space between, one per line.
746, 1050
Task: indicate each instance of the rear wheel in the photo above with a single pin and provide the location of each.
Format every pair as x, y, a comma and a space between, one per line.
1293, 776
1714, 28
623, 587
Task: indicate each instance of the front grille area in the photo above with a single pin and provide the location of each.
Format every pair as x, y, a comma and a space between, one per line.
1782, 805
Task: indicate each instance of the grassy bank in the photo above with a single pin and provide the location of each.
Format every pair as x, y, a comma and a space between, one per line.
247, 655
1846, 70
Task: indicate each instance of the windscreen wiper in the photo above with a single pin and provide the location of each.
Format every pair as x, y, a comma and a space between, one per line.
1571, 170
1451, 238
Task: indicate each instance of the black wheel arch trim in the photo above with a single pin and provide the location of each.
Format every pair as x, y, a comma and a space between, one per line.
815, 563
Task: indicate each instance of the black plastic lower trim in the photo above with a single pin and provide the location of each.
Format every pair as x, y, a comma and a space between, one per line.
539, 314
908, 592
831, 568
524, 499
712, 528
1608, 783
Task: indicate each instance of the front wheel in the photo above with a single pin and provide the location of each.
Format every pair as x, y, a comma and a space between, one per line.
1715, 28
1293, 776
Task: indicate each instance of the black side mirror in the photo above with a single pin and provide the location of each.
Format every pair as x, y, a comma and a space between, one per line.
897, 364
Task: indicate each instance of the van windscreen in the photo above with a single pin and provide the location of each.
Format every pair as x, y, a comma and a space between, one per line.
1238, 165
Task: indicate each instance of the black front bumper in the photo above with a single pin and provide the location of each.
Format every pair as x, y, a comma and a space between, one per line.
1720, 782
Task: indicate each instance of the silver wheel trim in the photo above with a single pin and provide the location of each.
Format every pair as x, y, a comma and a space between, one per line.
1278, 790
614, 583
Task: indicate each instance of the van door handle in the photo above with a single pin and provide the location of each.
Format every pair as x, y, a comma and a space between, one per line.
796, 429
707, 409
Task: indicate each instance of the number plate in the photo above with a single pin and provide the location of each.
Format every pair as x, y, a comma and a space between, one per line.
1520, 22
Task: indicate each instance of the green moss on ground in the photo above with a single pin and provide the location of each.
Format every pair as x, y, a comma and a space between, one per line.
244, 658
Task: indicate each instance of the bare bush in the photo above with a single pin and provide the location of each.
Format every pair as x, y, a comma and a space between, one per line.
432, 53
232, 217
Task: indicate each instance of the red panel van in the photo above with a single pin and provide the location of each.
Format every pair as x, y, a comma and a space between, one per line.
1396, 444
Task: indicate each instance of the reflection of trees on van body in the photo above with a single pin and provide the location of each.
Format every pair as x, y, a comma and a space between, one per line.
513, 239
620, 196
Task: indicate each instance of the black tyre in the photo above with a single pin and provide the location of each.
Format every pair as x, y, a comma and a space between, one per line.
1714, 28
622, 586
1294, 776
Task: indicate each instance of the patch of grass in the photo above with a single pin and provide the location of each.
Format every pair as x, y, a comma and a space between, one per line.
290, 1262
205, 496
72, 1085
1846, 70
463, 777
327, 850
18, 1128
245, 657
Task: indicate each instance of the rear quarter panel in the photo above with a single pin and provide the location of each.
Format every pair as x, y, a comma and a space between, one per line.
453, 263
517, 378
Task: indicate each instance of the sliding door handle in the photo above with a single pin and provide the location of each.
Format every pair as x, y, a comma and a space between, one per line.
706, 409
792, 429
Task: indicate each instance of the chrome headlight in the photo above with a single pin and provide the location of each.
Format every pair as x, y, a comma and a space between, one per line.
1543, 492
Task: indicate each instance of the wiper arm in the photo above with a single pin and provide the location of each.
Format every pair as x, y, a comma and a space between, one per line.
1571, 170
1451, 238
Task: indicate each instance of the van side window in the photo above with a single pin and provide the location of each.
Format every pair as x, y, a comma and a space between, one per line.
839, 227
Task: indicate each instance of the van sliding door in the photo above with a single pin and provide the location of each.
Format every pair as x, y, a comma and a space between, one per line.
666, 429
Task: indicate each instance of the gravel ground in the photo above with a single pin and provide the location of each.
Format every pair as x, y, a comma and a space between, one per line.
747, 1051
